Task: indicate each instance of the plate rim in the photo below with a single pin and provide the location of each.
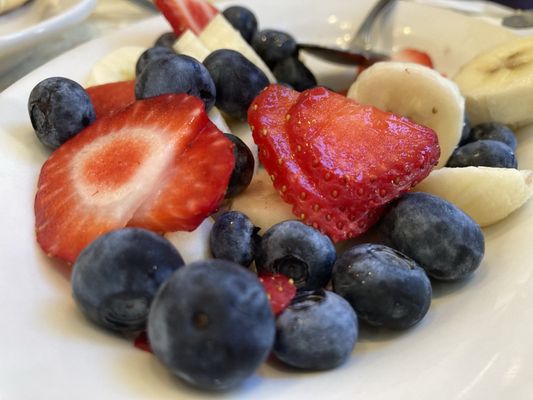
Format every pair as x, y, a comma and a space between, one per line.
18, 41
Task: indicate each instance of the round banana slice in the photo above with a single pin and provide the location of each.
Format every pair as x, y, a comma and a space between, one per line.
498, 84
487, 194
417, 92
119, 65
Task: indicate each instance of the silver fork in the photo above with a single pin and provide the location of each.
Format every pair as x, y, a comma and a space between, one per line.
360, 48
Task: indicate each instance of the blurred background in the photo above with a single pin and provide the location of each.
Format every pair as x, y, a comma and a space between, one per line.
107, 16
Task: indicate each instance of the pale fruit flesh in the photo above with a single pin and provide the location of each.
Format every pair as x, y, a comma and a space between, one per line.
193, 246
487, 194
220, 34
116, 66
262, 203
189, 44
498, 84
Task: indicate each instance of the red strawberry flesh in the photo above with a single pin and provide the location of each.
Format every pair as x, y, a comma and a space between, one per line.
109, 98
358, 152
98, 180
187, 14
336, 177
413, 56
142, 342
186, 194
267, 117
280, 291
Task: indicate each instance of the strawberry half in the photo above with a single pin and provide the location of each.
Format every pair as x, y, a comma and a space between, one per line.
192, 187
280, 291
337, 162
187, 14
413, 56
109, 98
267, 117
357, 152
101, 178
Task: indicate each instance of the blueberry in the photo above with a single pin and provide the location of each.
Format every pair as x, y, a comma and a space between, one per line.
273, 46
59, 108
167, 39
297, 251
386, 288
151, 54
318, 330
439, 236
244, 167
293, 72
233, 237
243, 20
238, 81
176, 74
493, 131
483, 153
115, 278
211, 323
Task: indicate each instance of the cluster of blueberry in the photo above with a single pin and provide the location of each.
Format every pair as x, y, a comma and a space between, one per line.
278, 49
225, 75
489, 144
210, 321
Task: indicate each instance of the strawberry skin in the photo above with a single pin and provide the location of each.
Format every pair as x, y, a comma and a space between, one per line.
109, 98
98, 180
280, 291
337, 162
187, 14
358, 152
267, 117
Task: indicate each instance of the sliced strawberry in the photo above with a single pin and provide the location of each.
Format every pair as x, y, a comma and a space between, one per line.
193, 187
187, 14
267, 117
357, 153
413, 56
142, 342
96, 181
338, 162
109, 98
280, 291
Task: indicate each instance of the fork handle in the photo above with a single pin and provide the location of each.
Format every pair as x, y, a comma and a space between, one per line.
362, 38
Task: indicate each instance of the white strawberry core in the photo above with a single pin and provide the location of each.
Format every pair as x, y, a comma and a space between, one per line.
115, 171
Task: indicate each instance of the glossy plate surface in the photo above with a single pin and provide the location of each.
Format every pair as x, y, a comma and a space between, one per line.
475, 342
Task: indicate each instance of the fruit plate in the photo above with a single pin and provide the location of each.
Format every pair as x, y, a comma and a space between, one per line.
474, 343
36, 21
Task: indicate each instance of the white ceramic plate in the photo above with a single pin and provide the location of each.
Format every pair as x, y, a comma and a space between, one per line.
475, 343
36, 21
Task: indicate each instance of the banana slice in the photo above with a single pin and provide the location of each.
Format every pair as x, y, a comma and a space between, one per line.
417, 92
498, 84
261, 203
488, 195
220, 34
8, 5
189, 44
119, 65
193, 245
